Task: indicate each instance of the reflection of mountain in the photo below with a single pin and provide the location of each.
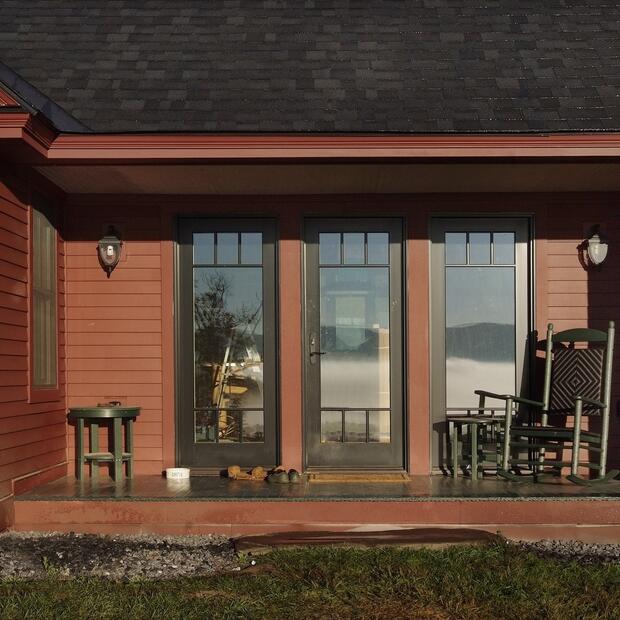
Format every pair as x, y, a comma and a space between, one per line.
481, 341
349, 339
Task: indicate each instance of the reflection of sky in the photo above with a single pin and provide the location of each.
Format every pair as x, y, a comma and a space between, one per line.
355, 296
480, 295
244, 293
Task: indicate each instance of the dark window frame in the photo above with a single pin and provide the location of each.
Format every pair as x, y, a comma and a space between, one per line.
41, 392
265, 453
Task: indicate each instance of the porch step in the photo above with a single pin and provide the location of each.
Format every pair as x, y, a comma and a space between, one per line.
151, 504
418, 537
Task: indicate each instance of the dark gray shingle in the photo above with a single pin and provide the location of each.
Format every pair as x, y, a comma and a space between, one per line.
321, 66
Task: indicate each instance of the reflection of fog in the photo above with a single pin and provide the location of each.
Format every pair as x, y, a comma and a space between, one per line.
463, 376
351, 380
479, 356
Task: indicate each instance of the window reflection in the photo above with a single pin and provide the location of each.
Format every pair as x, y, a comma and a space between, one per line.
379, 426
503, 248
331, 426
456, 248
227, 248
355, 336
353, 248
253, 426
251, 248
329, 248
355, 426
228, 351
480, 332
204, 248
479, 248
378, 248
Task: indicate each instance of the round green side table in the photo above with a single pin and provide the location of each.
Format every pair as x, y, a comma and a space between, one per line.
120, 417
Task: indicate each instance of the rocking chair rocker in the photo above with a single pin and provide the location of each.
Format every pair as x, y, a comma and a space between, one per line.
577, 382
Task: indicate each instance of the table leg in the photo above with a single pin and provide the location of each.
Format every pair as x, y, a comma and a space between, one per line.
455, 449
79, 463
94, 447
129, 437
118, 448
473, 430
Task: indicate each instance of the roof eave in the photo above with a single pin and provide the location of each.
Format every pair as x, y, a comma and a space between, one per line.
52, 147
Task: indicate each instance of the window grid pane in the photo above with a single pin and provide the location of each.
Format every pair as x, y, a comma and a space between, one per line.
227, 248
503, 248
377, 248
479, 248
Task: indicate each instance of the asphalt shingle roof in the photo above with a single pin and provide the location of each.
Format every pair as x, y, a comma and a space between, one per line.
321, 66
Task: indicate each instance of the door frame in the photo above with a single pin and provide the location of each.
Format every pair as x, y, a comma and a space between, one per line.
437, 370
398, 341
269, 227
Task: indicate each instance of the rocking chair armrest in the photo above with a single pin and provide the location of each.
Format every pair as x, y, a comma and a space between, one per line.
515, 399
590, 401
492, 395
528, 401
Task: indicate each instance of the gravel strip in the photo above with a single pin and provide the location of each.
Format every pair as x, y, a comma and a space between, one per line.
36, 554
584, 553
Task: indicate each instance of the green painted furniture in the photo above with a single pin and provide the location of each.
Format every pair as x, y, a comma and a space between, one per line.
576, 383
119, 417
481, 451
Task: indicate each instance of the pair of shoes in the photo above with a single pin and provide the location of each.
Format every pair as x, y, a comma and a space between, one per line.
279, 476
235, 472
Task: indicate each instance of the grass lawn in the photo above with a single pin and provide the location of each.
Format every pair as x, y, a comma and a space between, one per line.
460, 582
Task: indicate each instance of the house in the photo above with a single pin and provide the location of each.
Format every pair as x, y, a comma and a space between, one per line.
337, 220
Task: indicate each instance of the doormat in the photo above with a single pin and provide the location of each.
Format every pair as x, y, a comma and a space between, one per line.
400, 476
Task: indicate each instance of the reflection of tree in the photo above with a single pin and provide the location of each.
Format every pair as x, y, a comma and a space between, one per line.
224, 345
217, 326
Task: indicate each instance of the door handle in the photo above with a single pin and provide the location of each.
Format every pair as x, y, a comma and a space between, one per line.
313, 351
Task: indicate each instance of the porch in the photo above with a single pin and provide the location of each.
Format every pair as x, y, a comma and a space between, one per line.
551, 509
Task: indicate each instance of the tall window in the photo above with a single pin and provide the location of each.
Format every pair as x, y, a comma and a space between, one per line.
44, 305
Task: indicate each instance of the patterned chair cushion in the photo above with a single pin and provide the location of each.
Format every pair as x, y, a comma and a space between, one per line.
576, 372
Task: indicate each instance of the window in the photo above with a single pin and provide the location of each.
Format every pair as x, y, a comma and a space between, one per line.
44, 304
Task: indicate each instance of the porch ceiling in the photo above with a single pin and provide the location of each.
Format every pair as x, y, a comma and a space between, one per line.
335, 178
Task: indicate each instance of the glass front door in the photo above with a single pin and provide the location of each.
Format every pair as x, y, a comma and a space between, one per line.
227, 316
480, 314
353, 344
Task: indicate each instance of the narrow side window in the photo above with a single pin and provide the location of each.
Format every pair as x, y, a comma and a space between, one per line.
44, 303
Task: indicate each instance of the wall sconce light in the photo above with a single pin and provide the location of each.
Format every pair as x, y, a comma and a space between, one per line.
109, 248
597, 245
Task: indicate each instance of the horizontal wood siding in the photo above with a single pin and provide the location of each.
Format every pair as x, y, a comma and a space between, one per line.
119, 346
579, 297
32, 430
114, 330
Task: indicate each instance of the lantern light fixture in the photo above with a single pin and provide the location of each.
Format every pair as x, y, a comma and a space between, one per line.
109, 249
597, 246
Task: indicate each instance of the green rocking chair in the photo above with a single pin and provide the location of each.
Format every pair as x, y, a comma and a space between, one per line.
577, 382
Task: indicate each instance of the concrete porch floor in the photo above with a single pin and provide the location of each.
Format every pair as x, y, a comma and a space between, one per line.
150, 504
420, 488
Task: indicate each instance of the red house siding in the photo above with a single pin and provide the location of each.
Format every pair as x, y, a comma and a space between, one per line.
32, 427
114, 325
579, 297
120, 332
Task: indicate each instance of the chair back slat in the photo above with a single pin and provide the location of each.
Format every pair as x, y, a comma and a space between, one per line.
580, 335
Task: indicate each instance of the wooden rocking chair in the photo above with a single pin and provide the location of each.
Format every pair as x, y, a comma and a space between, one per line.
577, 382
